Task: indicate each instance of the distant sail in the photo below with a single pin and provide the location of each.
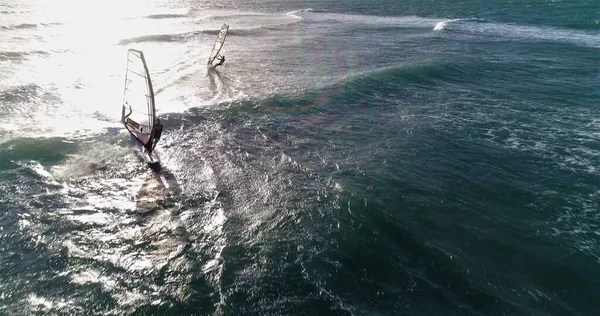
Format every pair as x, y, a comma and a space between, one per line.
138, 100
218, 44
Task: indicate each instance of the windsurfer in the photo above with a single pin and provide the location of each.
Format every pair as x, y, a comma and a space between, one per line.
158, 127
157, 132
221, 61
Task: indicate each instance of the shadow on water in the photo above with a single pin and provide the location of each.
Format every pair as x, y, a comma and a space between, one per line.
159, 189
167, 246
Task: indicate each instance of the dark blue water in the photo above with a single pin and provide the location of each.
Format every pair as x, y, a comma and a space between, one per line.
355, 158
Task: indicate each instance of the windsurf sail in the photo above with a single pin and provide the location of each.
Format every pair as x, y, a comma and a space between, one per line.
218, 44
138, 101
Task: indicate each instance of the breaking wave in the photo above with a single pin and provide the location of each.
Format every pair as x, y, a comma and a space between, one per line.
480, 27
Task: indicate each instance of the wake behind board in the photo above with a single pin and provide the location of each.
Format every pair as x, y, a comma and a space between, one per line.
151, 159
160, 188
154, 193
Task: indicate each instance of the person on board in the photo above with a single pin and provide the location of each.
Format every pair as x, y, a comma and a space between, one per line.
221, 61
158, 127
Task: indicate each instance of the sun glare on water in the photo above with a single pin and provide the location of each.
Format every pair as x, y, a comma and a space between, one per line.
76, 61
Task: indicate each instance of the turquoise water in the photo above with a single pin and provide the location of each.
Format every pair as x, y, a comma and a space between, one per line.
356, 158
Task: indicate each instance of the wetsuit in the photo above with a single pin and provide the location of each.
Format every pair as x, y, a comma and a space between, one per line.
221, 61
158, 127
158, 130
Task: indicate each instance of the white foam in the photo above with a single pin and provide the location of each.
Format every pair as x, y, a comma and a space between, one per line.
446, 24
513, 31
373, 20
441, 25
296, 13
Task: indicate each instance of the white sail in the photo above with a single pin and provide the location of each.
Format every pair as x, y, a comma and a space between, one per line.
138, 100
218, 44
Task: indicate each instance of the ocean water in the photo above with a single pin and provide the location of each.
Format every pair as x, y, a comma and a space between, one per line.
350, 158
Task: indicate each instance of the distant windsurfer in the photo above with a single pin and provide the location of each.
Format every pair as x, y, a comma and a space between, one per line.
217, 46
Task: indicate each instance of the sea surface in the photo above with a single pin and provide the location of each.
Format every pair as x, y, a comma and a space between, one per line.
393, 157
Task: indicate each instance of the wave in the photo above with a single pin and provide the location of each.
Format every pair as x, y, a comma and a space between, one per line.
12, 12
23, 93
358, 89
295, 13
15, 55
410, 21
353, 88
249, 19
480, 27
235, 32
445, 24
47, 151
25, 26
178, 37
167, 16
155, 38
19, 26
